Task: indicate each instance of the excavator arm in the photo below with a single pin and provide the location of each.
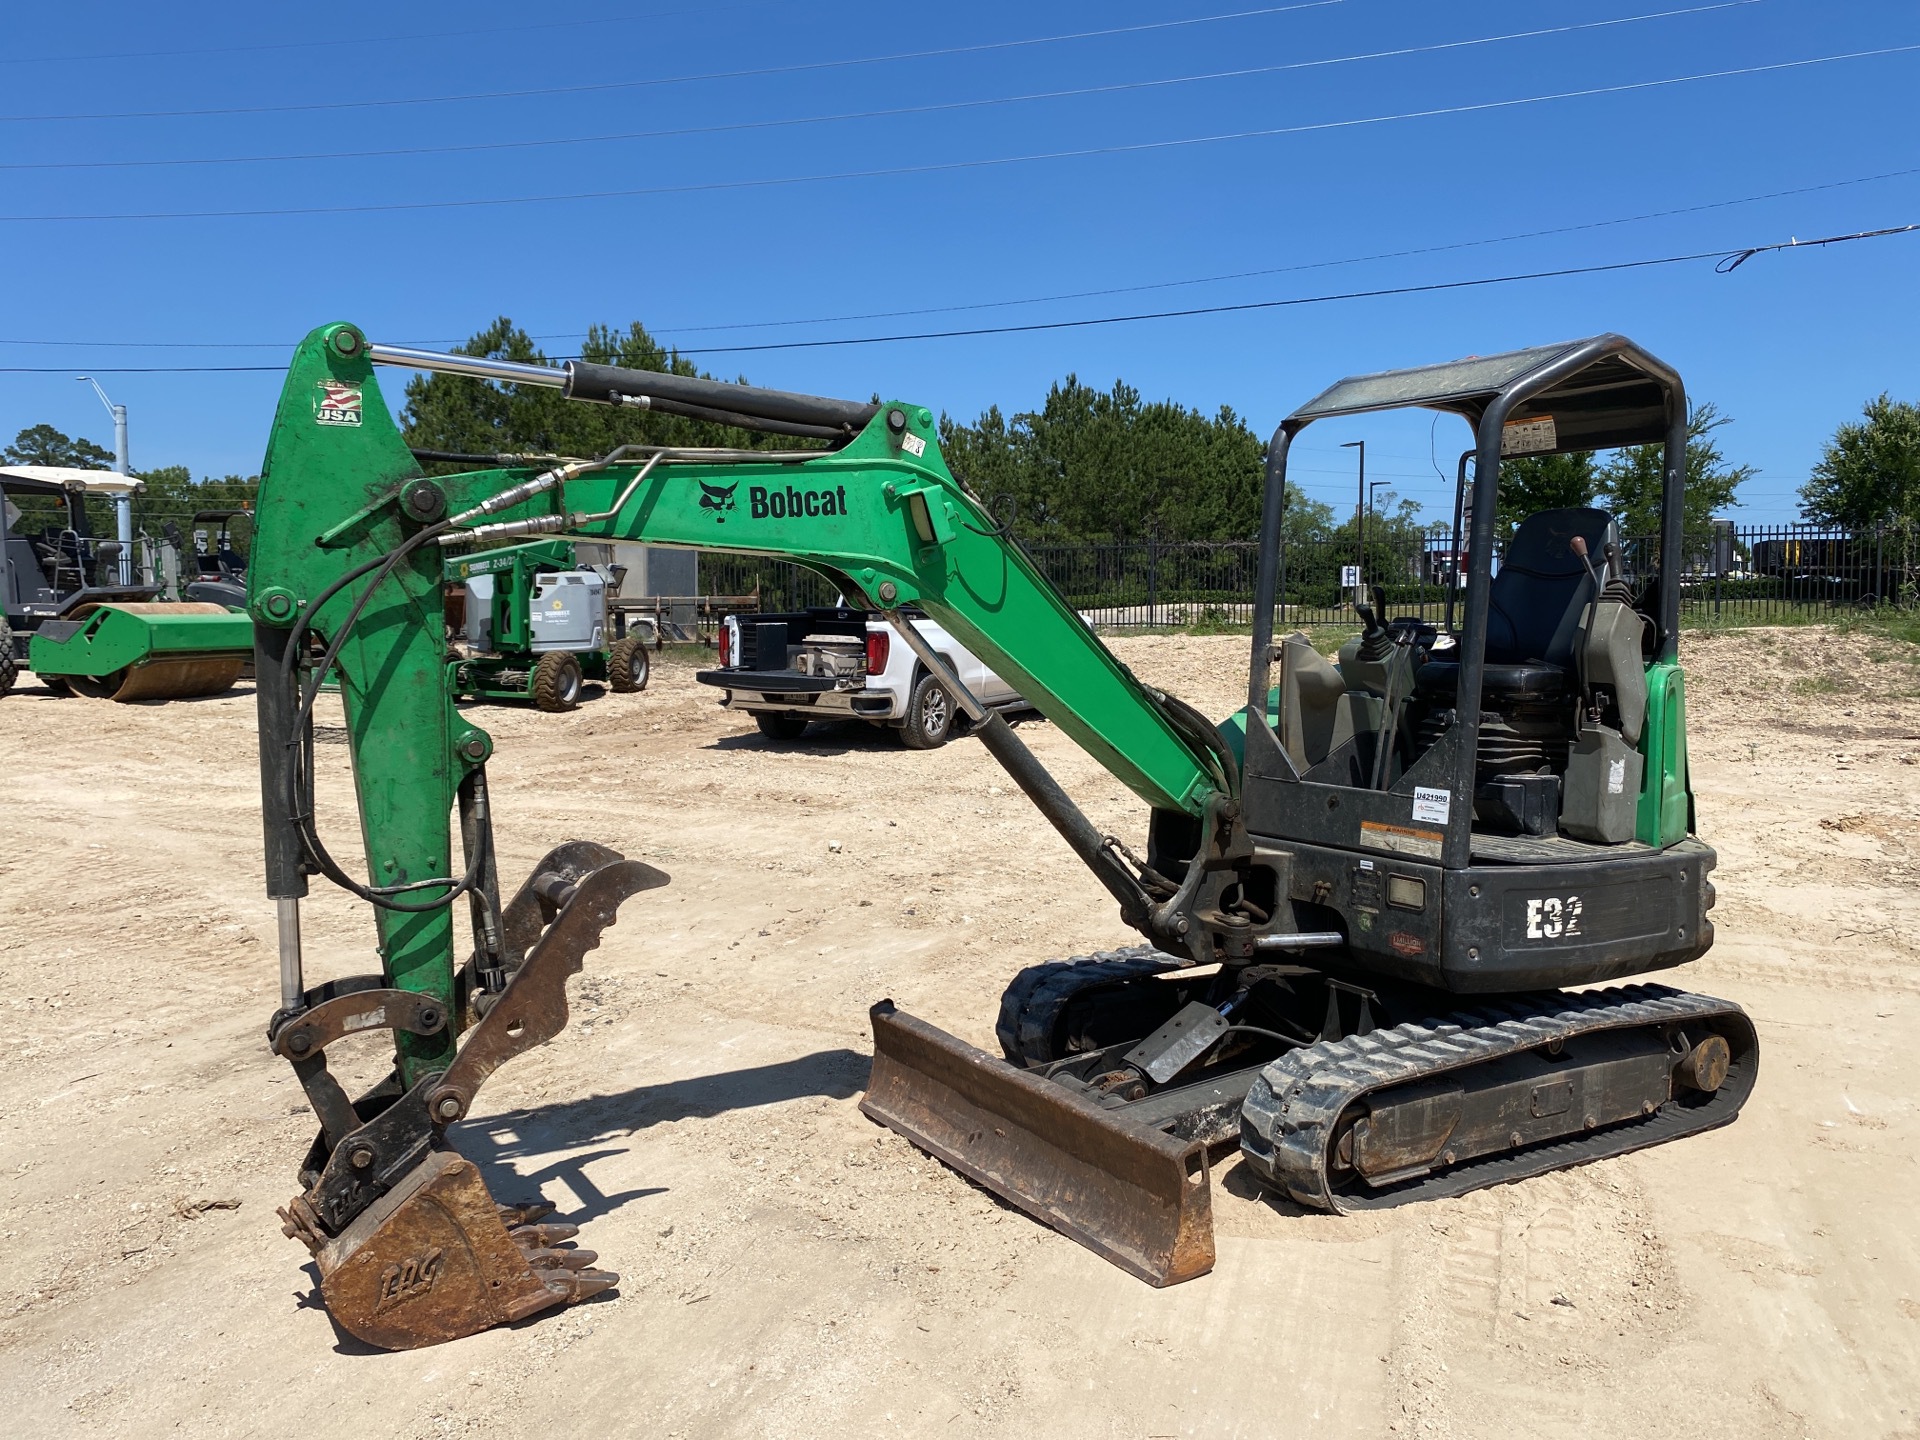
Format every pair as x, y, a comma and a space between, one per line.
345, 583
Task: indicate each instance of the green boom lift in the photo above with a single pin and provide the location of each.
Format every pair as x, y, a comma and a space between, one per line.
530, 624
1358, 899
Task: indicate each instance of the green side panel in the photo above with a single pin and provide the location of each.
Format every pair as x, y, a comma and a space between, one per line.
557, 553
112, 639
1233, 729
1664, 784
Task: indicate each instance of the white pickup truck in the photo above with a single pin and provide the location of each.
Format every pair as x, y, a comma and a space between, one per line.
833, 664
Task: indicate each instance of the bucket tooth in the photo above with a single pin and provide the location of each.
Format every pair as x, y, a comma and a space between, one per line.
1135, 1195
514, 1216
542, 1236
431, 1261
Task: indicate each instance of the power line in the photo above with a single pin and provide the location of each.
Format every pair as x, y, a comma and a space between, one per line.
600, 86
896, 112
1064, 295
1280, 269
376, 39
1433, 287
1740, 256
950, 166
138, 369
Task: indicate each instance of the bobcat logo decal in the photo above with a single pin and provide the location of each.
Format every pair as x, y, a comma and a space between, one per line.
718, 499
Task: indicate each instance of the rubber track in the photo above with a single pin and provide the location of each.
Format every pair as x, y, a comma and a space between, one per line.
1031, 1005
1289, 1118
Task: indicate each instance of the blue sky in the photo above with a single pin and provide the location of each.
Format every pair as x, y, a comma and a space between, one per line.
1789, 345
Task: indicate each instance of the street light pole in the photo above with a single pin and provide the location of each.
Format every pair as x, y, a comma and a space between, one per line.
123, 502
1360, 524
1373, 489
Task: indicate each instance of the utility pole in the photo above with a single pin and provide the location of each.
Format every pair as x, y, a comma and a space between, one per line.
123, 502
1360, 525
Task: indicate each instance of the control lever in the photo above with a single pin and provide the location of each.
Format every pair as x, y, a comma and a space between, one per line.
1379, 643
1579, 547
1578, 544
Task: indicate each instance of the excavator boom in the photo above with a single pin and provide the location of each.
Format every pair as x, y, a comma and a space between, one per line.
345, 581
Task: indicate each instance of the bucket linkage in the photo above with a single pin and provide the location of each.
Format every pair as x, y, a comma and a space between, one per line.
411, 1247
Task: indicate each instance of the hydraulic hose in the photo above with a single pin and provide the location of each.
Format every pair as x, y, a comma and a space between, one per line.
300, 736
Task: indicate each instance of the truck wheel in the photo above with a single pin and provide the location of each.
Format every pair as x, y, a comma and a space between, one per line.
9, 667
556, 681
929, 715
781, 724
628, 666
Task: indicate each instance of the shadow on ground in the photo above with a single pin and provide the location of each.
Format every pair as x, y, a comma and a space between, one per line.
494, 1142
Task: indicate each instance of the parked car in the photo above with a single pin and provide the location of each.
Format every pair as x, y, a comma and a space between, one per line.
836, 664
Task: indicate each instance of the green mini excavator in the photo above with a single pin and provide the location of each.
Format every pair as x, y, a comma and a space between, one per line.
1360, 900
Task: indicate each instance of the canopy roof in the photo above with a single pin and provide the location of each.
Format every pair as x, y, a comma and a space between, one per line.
98, 482
1599, 392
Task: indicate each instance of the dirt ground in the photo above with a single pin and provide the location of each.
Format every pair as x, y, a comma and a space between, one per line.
792, 1270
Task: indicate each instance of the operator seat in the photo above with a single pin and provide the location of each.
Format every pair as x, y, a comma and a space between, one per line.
1534, 614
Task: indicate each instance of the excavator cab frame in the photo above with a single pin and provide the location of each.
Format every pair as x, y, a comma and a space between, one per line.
1407, 862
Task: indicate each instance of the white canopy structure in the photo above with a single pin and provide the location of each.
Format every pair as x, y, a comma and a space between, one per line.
118, 488
99, 482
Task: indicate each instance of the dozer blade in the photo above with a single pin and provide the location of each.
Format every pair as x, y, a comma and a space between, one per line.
1135, 1195
435, 1259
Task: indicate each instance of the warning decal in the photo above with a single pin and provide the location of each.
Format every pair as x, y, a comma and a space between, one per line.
1402, 839
1528, 437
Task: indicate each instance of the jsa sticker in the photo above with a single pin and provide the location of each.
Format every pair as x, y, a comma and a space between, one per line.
913, 445
339, 404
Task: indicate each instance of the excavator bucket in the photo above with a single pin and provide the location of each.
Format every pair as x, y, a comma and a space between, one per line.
412, 1248
1134, 1195
435, 1259
144, 650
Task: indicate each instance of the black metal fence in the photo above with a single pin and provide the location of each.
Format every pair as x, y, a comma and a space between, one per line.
1733, 574
1730, 573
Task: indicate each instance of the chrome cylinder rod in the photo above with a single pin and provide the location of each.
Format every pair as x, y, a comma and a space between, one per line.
1301, 940
512, 372
293, 985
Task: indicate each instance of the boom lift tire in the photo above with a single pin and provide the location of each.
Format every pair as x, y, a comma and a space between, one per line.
9, 667
779, 725
628, 666
557, 681
930, 712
